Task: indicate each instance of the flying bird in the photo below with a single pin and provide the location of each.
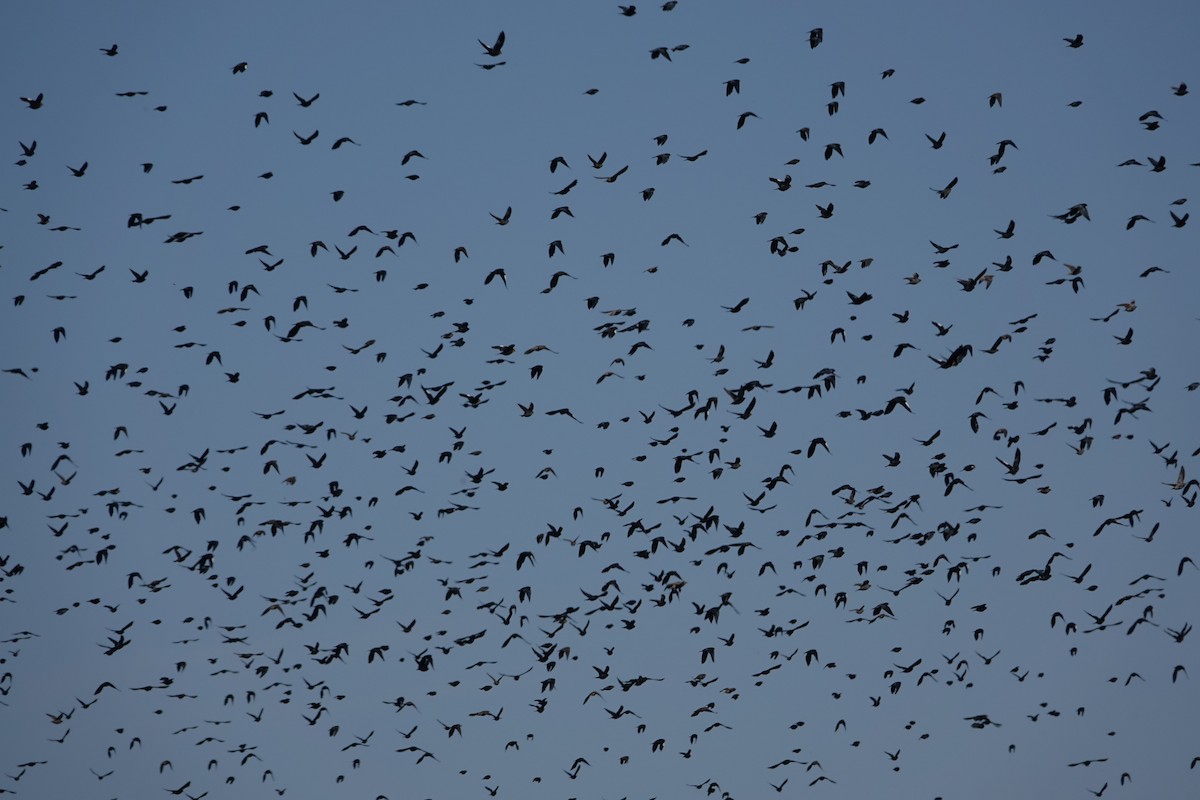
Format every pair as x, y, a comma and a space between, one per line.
944, 192
493, 50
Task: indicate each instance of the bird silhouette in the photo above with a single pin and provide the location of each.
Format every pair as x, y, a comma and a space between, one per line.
494, 49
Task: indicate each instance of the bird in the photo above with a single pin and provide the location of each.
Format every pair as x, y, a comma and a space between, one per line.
493, 50
944, 192
613, 178
782, 184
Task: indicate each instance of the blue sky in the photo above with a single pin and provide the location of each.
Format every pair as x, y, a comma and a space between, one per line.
664, 545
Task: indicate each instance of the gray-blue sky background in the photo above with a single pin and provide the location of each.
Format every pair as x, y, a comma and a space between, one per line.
486, 139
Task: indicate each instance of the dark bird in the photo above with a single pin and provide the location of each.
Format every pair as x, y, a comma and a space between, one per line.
782, 184
945, 191
493, 50
613, 178
554, 279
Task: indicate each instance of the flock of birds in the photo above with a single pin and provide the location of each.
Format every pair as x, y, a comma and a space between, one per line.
292, 509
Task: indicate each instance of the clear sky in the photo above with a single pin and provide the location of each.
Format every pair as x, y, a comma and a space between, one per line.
546, 400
